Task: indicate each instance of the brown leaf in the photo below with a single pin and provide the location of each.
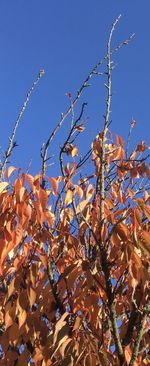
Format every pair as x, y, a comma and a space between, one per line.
31, 296
22, 318
64, 347
141, 147
72, 277
9, 315
14, 333
60, 326
77, 323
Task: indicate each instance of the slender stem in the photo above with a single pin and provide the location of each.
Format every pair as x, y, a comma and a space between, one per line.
12, 144
140, 333
62, 150
101, 191
85, 84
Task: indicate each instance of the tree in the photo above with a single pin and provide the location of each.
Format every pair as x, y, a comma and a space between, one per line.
74, 250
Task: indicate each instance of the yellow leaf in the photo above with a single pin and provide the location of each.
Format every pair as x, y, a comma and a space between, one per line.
89, 192
81, 206
78, 190
3, 185
68, 198
74, 151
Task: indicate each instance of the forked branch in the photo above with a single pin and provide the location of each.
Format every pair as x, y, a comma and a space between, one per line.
140, 332
84, 85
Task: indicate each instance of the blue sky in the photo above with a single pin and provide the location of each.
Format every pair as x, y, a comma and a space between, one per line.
67, 38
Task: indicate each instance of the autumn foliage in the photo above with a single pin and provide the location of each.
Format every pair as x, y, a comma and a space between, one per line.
74, 259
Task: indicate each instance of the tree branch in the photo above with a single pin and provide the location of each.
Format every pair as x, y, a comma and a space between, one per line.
12, 143
53, 283
85, 84
101, 192
62, 150
140, 332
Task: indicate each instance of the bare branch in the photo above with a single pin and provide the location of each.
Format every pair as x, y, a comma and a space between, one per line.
85, 84
140, 332
12, 143
74, 124
101, 192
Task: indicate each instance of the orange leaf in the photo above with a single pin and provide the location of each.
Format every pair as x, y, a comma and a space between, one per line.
30, 180
119, 140
9, 171
73, 169
131, 193
43, 198
122, 230
54, 183
128, 354
19, 190
9, 315
77, 323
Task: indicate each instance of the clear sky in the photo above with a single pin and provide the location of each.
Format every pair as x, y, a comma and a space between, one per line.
67, 38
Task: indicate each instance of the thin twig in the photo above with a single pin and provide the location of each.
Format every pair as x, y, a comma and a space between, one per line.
53, 283
140, 331
62, 150
12, 143
132, 125
85, 84
101, 192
